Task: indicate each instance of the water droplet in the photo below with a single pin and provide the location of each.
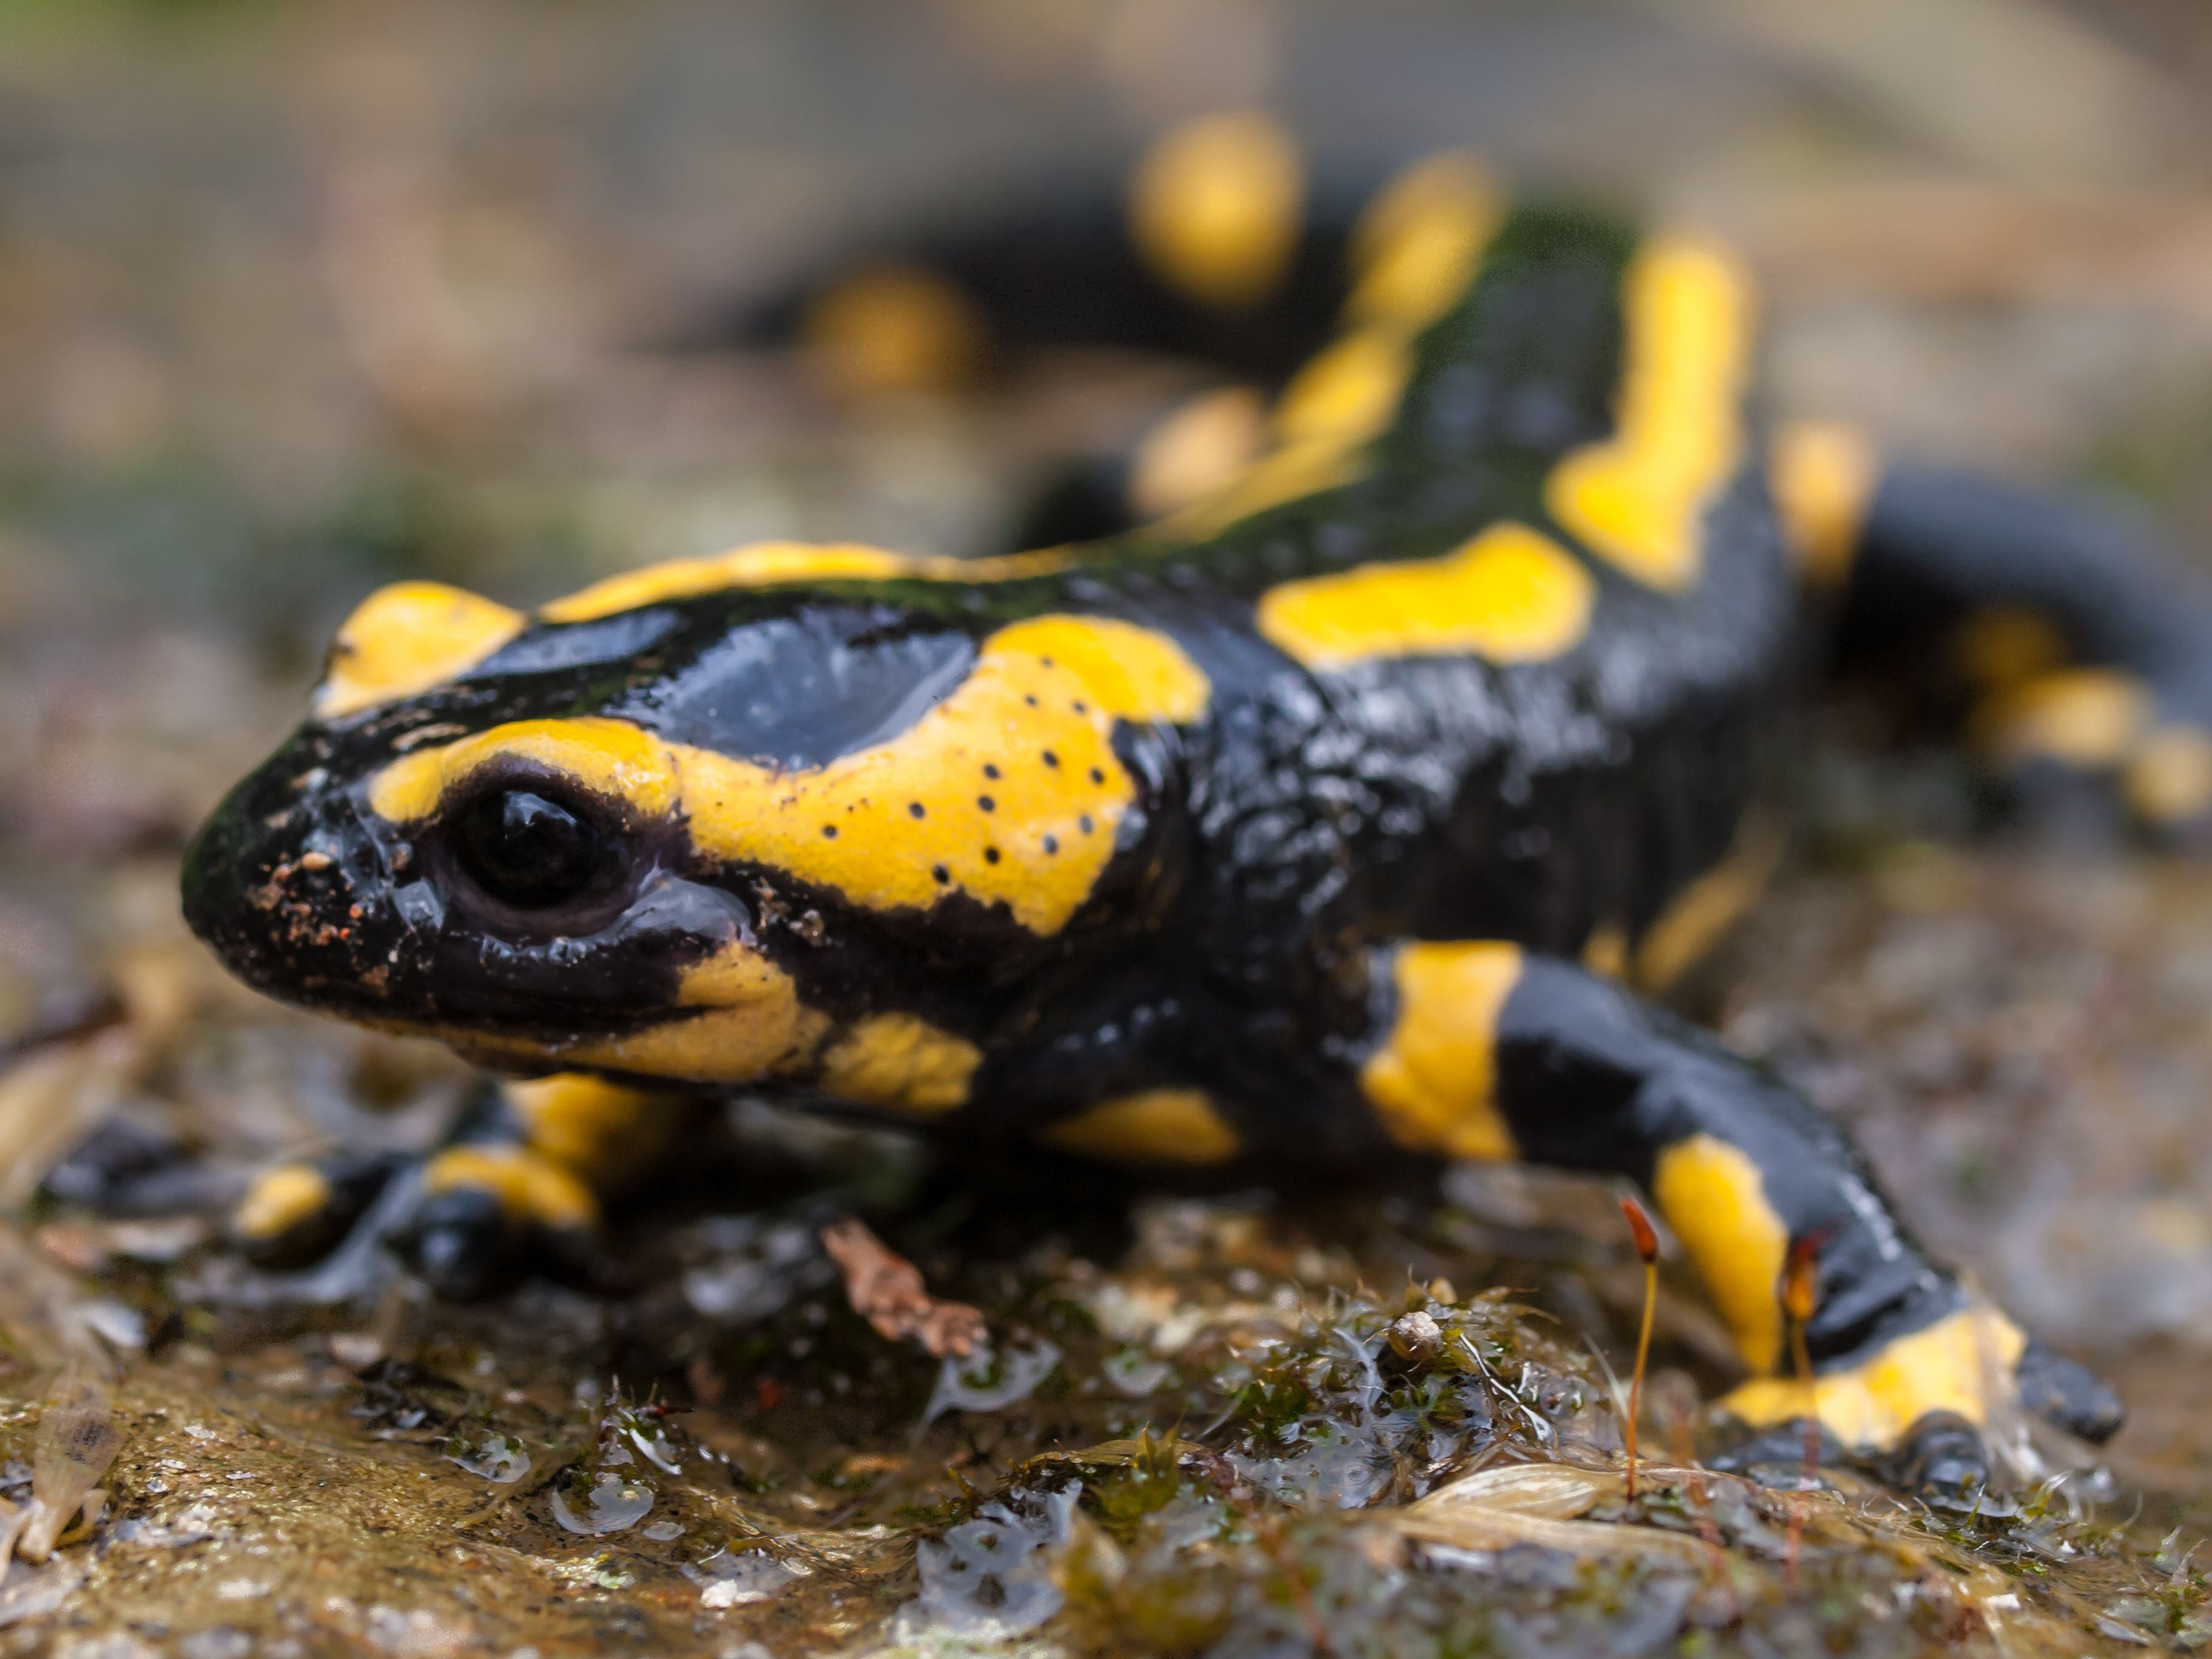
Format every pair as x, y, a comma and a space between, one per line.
497, 1457
613, 1505
985, 1381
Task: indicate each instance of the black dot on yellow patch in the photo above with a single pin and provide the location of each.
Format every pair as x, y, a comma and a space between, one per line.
991, 771
1052, 843
990, 855
987, 803
916, 809
829, 831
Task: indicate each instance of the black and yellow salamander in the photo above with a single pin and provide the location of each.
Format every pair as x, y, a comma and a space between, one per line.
1348, 802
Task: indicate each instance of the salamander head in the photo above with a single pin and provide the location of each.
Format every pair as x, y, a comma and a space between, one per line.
694, 836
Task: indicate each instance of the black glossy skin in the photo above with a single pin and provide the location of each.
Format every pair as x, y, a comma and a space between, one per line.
1277, 851
1308, 821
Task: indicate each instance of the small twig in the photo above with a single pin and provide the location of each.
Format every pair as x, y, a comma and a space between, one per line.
1801, 1289
1647, 1246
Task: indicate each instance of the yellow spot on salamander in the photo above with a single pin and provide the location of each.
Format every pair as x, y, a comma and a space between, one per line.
1198, 451
1963, 1363
279, 1199
1133, 672
1639, 498
611, 759
1510, 595
899, 1061
1008, 790
1416, 251
1158, 1125
1347, 393
2081, 717
1431, 1083
893, 330
1715, 1199
407, 638
1215, 207
1416, 245
529, 1188
1287, 474
767, 564
1345, 397
1693, 922
606, 1133
738, 1019
1605, 952
2001, 646
2169, 777
1823, 474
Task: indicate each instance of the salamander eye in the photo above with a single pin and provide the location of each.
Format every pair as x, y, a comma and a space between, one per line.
529, 852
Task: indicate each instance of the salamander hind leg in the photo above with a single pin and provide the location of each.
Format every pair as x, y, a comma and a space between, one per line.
2083, 643
519, 1184
1490, 1053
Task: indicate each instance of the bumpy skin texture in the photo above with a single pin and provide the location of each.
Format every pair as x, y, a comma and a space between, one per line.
1186, 845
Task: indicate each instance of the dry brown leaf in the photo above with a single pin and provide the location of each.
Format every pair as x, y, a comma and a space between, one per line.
886, 1290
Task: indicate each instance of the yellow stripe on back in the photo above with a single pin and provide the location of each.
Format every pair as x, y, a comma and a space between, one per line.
1639, 498
1511, 594
1416, 245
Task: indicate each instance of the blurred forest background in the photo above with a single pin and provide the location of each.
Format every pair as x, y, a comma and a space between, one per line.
297, 299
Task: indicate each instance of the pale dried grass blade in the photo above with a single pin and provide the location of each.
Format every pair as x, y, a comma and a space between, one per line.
1471, 1527
1550, 1490
76, 1444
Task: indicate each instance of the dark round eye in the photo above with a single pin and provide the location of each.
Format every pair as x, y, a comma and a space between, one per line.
530, 852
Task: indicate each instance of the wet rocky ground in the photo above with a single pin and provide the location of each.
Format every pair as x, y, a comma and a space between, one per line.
295, 301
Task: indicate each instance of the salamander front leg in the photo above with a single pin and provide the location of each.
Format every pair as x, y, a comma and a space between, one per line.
1490, 1053
519, 1182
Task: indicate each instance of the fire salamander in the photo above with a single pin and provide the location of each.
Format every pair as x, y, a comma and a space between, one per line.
1348, 800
